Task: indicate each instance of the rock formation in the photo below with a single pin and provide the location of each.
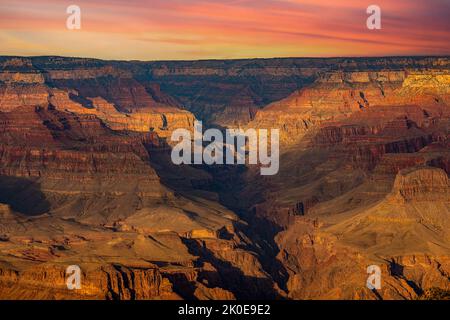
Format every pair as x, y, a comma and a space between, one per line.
86, 179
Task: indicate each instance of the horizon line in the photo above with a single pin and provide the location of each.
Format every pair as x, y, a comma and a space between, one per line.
229, 59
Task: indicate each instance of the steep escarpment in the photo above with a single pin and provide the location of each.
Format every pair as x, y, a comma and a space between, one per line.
228, 93
363, 181
86, 179
123, 262
91, 87
407, 237
225, 93
110, 282
77, 187
77, 137
372, 96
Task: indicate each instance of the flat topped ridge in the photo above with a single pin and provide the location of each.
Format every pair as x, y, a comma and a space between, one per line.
333, 63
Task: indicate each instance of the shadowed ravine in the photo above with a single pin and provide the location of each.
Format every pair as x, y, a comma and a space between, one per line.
227, 183
87, 179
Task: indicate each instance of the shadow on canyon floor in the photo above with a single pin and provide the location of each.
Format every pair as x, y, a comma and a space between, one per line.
229, 277
23, 196
226, 182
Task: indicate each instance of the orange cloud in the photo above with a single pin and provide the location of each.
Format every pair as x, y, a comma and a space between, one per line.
196, 29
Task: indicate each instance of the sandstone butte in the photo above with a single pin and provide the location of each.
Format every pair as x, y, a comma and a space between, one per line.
86, 179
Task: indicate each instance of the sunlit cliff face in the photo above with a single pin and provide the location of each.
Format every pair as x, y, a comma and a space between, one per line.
87, 181
212, 178
196, 29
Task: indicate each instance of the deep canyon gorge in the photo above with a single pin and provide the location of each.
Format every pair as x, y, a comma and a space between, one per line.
86, 179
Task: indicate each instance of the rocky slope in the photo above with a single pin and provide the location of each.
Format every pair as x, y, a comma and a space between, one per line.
86, 179
90, 87
221, 92
363, 181
77, 187
372, 96
229, 93
76, 192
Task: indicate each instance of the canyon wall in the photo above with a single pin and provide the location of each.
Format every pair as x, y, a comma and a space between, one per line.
86, 179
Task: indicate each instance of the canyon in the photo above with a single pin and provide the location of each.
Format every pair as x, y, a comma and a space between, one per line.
86, 179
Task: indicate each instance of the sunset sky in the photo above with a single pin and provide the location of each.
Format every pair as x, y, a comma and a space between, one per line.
203, 29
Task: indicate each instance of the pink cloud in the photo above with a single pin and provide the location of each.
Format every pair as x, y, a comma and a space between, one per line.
262, 27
